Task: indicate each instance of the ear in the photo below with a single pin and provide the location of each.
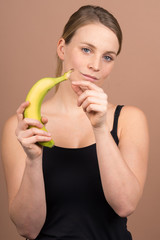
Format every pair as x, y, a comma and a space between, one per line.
60, 48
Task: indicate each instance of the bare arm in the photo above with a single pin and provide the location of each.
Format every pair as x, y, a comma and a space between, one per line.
122, 168
22, 162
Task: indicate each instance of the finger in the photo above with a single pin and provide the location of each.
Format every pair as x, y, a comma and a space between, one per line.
27, 142
77, 90
87, 84
32, 132
26, 122
92, 100
96, 108
91, 93
21, 109
44, 120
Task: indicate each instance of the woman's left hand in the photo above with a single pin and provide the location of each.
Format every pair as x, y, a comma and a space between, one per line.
93, 100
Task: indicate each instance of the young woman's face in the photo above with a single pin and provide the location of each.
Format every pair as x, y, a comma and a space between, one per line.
91, 53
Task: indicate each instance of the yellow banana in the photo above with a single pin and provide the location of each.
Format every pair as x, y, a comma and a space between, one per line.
36, 95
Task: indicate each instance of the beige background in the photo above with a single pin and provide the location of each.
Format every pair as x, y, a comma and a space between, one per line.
29, 32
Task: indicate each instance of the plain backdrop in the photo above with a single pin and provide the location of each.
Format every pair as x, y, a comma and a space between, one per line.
29, 30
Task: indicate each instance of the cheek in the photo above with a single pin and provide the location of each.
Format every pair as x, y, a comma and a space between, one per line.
70, 61
107, 69
76, 60
73, 58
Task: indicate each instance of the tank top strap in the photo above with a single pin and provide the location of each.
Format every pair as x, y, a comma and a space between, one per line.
115, 122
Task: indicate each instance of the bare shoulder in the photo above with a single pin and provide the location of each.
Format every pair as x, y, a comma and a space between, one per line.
130, 111
9, 130
133, 127
10, 124
8, 133
132, 116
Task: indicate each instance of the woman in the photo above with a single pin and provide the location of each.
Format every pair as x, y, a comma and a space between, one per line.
87, 185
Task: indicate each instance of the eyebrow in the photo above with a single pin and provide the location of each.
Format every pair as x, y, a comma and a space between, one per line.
92, 46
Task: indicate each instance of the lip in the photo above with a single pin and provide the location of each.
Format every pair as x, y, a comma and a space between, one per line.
89, 77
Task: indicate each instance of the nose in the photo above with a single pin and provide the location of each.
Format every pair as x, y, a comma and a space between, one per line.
94, 63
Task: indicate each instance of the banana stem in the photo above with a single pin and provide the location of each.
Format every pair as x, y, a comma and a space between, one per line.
63, 77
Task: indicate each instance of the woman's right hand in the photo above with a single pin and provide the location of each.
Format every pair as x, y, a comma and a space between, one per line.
28, 137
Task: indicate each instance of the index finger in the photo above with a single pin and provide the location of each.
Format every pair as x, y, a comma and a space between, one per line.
88, 85
21, 109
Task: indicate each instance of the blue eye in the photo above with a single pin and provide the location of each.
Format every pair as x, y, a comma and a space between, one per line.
86, 50
108, 58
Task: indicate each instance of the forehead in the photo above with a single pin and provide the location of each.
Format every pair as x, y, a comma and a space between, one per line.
98, 35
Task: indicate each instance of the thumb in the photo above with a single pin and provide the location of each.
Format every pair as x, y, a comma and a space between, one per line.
44, 120
77, 89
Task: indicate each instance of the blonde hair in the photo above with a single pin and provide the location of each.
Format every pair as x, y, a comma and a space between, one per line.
83, 16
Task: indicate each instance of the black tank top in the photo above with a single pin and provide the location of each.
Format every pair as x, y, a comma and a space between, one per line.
76, 205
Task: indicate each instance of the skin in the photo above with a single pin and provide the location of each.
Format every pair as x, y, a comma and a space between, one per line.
79, 103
